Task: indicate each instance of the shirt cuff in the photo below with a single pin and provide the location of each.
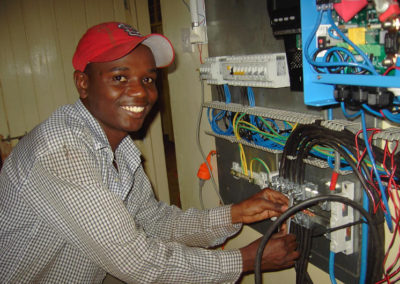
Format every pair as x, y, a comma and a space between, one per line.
221, 216
231, 266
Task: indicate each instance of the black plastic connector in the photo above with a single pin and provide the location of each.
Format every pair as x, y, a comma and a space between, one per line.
341, 93
380, 98
375, 97
392, 42
359, 95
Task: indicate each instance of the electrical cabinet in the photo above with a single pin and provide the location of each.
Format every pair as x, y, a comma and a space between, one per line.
268, 135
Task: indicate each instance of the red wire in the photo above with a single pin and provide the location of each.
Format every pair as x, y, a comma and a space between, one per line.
370, 178
200, 48
393, 269
390, 69
394, 195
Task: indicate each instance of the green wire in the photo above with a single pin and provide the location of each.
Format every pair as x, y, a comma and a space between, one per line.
263, 163
281, 140
269, 126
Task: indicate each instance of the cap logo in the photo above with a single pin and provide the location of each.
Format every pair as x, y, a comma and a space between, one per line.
129, 30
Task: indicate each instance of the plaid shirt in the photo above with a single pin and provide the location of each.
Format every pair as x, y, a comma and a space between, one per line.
68, 216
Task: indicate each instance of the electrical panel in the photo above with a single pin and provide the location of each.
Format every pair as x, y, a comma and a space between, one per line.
347, 44
349, 51
257, 70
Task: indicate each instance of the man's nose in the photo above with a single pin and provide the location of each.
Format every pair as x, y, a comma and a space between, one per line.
137, 90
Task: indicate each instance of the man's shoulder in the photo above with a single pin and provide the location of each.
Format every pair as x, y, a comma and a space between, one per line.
63, 123
63, 128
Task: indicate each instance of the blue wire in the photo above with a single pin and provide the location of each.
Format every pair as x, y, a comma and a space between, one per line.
388, 216
330, 114
354, 115
250, 95
345, 38
349, 54
370, 68
377, 176
332, 35
332, 165
213, 119
227, 94
391, 116
332, 267
370, 110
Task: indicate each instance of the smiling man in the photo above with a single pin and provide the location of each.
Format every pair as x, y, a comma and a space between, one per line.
74, 199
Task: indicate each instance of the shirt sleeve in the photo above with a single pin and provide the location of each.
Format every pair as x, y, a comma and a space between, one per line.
193, 227
66, 191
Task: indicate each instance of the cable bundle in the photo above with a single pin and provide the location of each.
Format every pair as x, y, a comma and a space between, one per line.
353, 150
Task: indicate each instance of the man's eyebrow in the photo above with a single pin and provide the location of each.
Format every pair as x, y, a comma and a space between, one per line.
118, 69
114, 69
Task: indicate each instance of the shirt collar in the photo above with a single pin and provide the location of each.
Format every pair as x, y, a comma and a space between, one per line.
100, 138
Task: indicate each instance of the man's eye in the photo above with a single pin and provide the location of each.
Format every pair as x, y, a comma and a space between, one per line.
148, 80
120, 78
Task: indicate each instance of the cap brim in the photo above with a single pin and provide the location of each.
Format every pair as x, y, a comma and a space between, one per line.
161, 48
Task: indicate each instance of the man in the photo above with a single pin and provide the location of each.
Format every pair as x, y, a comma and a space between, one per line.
75, 202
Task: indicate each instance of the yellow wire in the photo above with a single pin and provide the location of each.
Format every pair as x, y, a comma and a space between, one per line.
262, 162
241, 150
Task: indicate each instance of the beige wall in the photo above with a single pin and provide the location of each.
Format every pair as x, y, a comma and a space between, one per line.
38, 39
185, 92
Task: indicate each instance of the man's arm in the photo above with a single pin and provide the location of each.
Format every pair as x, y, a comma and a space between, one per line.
193, 227
66, 192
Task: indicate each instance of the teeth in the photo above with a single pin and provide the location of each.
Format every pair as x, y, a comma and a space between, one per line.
133, 108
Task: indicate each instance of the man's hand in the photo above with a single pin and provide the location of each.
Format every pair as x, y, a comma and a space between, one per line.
262, 205
279, 253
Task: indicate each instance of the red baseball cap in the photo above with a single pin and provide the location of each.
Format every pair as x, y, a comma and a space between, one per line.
110, 41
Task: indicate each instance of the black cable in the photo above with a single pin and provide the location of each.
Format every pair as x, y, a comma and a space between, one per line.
293, 165
306, 204
344, 137
330, 230
305, 241
333, 143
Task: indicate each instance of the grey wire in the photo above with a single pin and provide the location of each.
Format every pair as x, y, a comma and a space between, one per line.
202, 152
187, 5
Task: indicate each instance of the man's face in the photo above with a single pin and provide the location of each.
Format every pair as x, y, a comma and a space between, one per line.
120, 93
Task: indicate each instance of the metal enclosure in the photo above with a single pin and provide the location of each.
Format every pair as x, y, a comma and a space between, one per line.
240, 27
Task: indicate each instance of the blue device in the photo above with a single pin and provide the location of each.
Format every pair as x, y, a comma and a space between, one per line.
320, 57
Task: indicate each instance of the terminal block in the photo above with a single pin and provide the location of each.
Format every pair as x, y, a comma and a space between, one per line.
262, 179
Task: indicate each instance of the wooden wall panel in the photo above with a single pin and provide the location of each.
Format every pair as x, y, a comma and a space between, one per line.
3, 115
11, 93
99, 11
38, 39
23, 71
71, 23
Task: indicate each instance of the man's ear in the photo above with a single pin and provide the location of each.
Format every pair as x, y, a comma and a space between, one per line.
81, 80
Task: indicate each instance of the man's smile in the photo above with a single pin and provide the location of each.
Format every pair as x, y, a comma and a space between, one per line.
134, 109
